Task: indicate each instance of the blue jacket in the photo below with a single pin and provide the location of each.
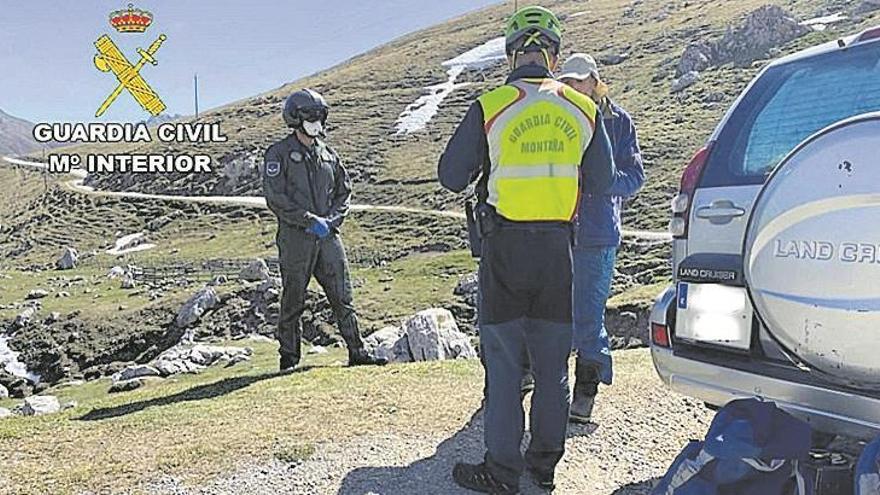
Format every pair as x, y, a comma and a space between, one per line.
467, 153
599, 214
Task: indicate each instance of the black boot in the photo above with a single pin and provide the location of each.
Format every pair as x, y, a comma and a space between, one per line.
287, 363
361, 357
478, 478
544, 479
586, 386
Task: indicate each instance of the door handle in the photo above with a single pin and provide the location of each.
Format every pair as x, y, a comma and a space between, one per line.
720, 210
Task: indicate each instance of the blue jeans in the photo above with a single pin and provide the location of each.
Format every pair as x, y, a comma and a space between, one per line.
593, 271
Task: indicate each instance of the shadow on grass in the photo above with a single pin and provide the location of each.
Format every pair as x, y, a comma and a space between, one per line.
200, 392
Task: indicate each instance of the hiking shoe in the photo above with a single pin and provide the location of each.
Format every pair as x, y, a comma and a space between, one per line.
478, 478
586, 386
364, 358
287, 364
544, 479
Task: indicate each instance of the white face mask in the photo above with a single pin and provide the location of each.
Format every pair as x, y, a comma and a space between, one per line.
313, 129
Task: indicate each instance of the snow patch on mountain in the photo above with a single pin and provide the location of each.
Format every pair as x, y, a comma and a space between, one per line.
418, 114
822, 23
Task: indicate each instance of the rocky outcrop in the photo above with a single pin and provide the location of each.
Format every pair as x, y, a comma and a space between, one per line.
685, 81
135, 371
37, 294
192, 359
128, 281
196, 306
39, 405
23, 318
4, 392
390, 343
430, 335
762, 30
433, 335
256, 271
68, 259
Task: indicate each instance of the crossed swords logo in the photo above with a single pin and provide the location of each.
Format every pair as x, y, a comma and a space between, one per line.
111, 59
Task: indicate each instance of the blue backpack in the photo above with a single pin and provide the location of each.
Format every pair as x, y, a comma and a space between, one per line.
868, 470
752, 447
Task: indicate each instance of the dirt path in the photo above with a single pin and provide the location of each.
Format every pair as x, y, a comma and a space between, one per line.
259, 202
640, 427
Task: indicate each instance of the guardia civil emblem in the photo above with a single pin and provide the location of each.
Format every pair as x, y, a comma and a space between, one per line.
111, 59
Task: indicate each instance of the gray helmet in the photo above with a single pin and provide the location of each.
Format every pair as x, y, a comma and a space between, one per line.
305, 105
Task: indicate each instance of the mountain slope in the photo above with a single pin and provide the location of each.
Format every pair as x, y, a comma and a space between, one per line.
16, 136
369, 92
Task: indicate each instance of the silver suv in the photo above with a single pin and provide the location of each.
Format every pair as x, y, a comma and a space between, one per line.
777, 246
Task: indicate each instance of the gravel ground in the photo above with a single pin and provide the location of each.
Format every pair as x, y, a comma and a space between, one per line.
640, 427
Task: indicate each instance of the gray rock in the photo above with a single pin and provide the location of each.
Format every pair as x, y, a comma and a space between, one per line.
135, 371
5, 413
126, 385
613, 59
68, 259
24, 317
196, 306
63, 293
761, 31
53, 317
4, 392
193, 359
696, 57
157, 223
256, 271
128, 281
37, 294
116, 272
867, 6
390, 343
434, 335
685, 81
71, 404
468, 287
39, 405
219, 280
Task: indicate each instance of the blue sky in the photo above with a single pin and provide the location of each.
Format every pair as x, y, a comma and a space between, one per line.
238, 49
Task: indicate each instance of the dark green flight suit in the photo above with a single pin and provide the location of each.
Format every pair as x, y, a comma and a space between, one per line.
300, 183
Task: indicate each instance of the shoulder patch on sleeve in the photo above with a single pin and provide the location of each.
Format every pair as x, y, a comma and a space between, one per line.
273, 168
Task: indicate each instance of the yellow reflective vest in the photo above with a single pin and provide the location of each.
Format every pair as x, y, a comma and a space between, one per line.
538, 131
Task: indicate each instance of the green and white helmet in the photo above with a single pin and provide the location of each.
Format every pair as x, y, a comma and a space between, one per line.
533, 29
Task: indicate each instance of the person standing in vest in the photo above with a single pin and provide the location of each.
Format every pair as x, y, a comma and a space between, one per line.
534, 143
598, 237
308, 189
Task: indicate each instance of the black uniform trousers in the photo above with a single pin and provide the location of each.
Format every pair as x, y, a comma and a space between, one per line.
302, 255
525, 317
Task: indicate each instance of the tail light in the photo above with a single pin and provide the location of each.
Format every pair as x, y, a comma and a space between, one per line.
660, 335
681, 204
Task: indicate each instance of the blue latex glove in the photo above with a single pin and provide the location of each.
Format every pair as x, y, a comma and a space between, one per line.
320, 227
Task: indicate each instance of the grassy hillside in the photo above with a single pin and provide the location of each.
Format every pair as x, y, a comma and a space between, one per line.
369, 92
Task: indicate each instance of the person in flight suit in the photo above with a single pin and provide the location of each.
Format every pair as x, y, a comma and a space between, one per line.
308, 189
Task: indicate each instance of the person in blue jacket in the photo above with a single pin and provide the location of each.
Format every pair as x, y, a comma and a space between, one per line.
598, 238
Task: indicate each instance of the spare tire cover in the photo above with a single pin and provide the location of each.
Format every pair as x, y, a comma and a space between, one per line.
812, 252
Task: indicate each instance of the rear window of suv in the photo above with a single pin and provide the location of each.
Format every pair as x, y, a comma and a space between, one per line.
787, 104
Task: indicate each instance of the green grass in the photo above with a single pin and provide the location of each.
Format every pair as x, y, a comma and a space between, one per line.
105, 296
197, 426
409, 285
